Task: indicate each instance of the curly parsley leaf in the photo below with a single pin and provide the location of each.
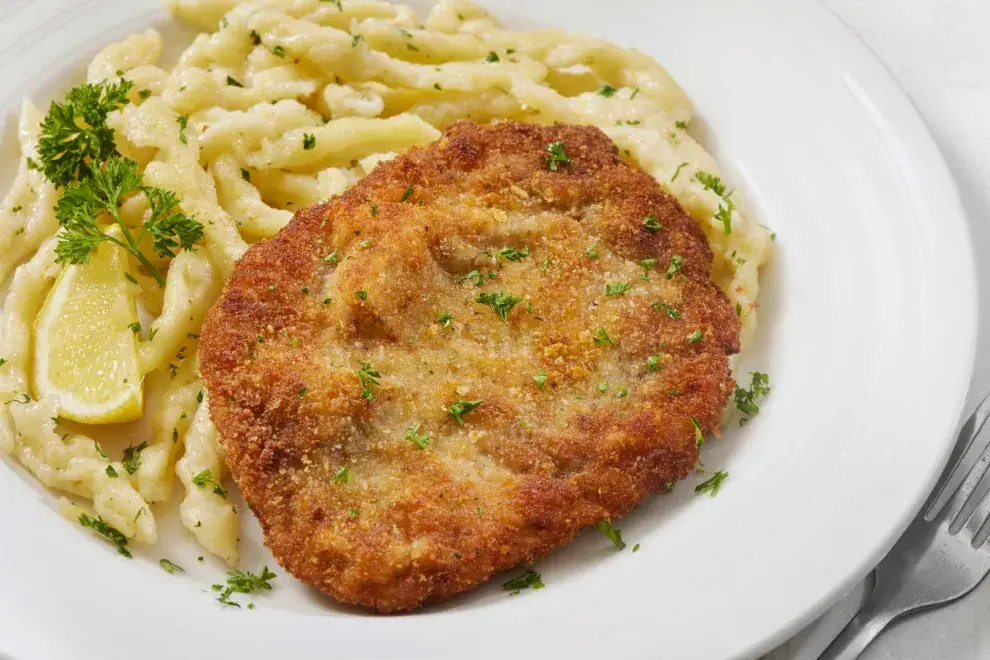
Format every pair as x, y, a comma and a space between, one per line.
74, 133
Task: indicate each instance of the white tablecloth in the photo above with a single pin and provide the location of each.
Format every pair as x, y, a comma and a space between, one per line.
939, 50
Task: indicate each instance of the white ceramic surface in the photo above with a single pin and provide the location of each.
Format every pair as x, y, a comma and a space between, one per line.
868, 334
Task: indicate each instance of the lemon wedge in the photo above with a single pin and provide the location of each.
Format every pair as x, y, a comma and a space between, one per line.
85, 351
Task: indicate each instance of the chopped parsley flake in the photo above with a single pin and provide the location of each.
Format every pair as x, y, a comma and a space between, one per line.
528, 580
421, 441
607, 90
170, 567
601, 338
362, 294
616, 289
356, 39
458, 409
342, 476
681, 125
745, 400
647, 265
183, 123
492, 57
368, 378
712, 484
652, 224
636, 548
675, 265
653, 362
278, 52
302, 392
243, 582
622, 393
557, 155
611, 533
541, 379
407, 194
132, 457
309, 141
331, 258
711, 182
671, 312
445, 320
513, 254
233, 82
135, 327
724, 215
603, 386
699, 437
245, 175
474, 276
112, 473
205, 479
696, 337
592, 251
501, 301
678, 171
111, 534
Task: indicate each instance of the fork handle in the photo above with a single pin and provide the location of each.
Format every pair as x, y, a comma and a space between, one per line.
863, 629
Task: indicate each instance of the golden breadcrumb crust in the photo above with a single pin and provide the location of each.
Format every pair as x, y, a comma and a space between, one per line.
348, 500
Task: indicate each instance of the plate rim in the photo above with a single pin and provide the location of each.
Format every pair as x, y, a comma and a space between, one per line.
934, 163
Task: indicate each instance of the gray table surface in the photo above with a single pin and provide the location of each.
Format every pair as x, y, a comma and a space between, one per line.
939, 51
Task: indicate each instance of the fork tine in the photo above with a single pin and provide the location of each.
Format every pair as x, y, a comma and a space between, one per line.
964, 457
980, 522
976, 508
975, 489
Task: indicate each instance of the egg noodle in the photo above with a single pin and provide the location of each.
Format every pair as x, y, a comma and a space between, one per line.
278, 105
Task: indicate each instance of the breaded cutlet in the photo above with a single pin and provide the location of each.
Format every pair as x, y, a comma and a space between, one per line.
483, 347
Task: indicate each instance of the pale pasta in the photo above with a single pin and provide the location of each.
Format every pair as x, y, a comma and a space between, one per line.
278, 105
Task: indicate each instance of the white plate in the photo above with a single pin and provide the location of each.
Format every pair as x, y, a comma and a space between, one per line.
868, 334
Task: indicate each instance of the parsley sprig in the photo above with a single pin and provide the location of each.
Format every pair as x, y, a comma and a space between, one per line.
103, 190
79, 156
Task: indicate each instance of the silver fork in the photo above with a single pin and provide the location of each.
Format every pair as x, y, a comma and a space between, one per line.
941, 556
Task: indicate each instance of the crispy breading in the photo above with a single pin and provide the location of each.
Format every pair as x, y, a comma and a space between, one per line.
386, 278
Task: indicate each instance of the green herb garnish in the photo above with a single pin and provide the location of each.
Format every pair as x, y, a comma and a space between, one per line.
501, 301
458, 409
557, 155
206, 478
712, 484
111, 534
528, 580
611, 533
